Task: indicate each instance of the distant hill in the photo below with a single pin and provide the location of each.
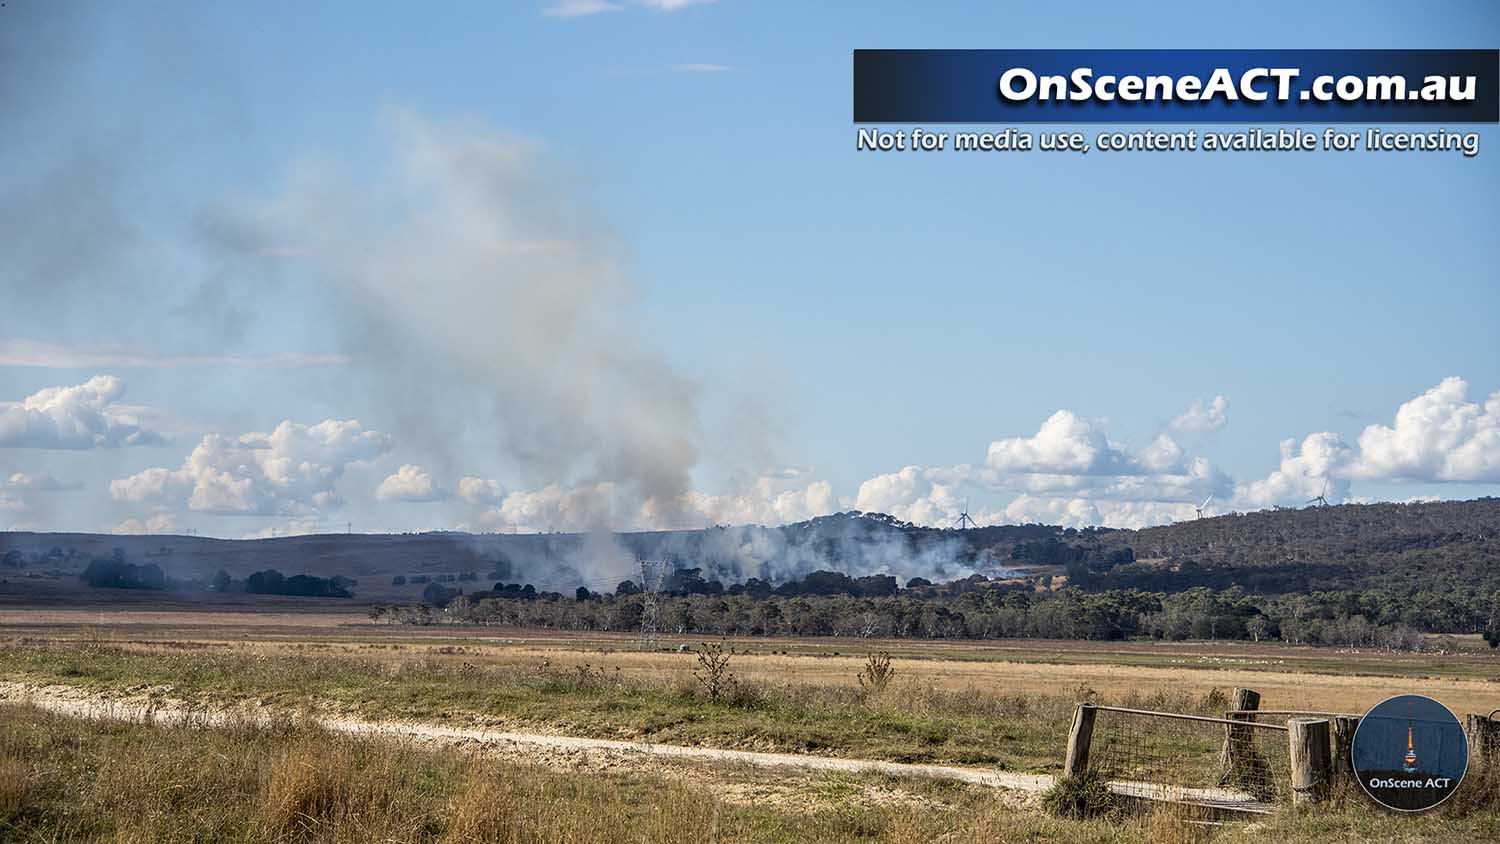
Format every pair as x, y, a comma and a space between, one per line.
1360, 546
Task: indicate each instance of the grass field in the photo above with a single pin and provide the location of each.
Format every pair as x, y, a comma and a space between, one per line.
1003, 705
67, 780
1467, 680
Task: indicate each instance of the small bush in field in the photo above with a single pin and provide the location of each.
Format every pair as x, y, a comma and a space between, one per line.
713, 674
877, 673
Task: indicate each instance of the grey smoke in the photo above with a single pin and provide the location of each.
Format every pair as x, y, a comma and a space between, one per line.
854, 544
464, 267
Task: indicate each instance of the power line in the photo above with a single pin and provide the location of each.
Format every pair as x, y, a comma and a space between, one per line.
652, 575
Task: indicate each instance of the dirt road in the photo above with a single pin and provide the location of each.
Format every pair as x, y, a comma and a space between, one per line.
142, 706
80, 703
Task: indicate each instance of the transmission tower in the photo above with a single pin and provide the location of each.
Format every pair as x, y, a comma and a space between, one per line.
653, 572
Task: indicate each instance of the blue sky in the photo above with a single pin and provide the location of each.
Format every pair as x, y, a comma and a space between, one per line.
756, 321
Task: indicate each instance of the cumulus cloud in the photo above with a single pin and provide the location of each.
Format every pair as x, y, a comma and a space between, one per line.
1066, 443
38, 483
1074, 457
1305, 469
290, 471
1437, 436
1069, 472
480, 490
1203, 417
766, 502
409, 483
158, 523
1085, 512
79, 417
913, 494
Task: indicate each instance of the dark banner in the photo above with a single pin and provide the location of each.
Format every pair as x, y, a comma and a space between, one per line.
1176, 86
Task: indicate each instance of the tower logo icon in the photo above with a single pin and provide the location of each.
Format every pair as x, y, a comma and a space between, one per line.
1409, 762
1387, 761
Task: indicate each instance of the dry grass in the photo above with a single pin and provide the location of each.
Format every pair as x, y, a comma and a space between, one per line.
1297, 678
285, 783
14, 777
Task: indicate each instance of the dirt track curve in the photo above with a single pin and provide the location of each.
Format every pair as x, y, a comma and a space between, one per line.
81, 703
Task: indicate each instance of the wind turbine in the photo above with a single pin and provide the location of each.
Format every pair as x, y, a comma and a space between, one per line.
965, 519
1320, 500
1200, 507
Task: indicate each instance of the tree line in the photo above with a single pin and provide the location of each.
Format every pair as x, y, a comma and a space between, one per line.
833, 604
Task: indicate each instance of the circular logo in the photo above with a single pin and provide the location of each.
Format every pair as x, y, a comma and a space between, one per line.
1409, 753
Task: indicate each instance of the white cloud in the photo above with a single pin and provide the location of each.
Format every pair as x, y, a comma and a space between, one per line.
1065, 444
1437, 436
579, 8
1162, 455
290, 471
1069, 473
1084, 512
1201, 418
79, 417
1069, 512
53, 356
1305, 470
766, 502
480, 490
912, 494
158, 523
38, 483
409, 483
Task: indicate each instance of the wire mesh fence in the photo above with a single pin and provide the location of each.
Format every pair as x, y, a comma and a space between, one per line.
1171, 756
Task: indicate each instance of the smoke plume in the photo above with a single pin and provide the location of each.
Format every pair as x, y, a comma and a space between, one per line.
457, 255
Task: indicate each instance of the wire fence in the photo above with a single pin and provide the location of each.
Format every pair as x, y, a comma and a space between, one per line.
1281, 716
1171, 756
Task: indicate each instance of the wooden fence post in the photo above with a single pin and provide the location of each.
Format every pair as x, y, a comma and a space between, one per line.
1080, 737
1483, 736
1308, 746
1343, 747
1239, 743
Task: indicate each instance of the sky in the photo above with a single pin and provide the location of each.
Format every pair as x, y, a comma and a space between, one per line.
575, 264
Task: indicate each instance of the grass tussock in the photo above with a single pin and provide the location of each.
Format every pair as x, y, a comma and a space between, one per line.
1081, 798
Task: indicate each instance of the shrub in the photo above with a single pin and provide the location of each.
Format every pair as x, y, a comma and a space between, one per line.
877, 673
713, 674
1081, 797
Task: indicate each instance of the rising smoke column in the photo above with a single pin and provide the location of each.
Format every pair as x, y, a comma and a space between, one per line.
457, 254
